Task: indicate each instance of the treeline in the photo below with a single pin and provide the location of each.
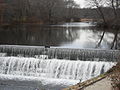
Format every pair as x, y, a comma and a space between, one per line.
55, 11
108, 11
40, 11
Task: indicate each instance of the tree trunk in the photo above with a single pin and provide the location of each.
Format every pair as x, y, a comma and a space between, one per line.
115, 39
101, 14
49, 16
114, 10
98, 45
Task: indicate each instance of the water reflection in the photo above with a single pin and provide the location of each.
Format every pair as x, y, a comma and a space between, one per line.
68, 35
91, 39
37, 35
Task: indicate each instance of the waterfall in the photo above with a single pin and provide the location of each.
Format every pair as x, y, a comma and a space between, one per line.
3, 54
53, 68
61, 53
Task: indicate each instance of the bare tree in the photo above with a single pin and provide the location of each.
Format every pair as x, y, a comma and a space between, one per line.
114, 43
98, 4
101, 39
48, 11
115, 4
71, 6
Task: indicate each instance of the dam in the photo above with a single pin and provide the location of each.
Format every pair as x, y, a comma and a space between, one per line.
43, 65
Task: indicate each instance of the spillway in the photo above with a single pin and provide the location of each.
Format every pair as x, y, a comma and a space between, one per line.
61, 53
51, 68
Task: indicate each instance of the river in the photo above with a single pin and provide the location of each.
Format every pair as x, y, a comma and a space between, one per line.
80, 35
79, 51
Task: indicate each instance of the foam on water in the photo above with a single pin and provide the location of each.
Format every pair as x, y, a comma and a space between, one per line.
3, 54
53, 68
13, 82
44, 81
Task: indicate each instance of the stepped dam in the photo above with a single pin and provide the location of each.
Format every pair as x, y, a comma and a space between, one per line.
60, 53
51, 68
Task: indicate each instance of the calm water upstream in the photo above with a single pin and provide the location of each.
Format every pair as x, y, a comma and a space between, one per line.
68, 35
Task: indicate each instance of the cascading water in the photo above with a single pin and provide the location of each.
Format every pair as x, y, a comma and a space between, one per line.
56, 68
59, 69
3, 54
61, 53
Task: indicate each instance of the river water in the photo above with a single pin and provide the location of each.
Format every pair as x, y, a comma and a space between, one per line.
67, 35
75, 55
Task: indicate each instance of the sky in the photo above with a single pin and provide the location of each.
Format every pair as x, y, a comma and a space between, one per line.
81, 2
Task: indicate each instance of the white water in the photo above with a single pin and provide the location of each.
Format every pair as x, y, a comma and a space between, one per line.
3, 54
61, 53
54, 68
30, 83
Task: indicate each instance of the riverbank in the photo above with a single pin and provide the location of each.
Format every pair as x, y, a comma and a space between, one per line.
114, 24
107, 26
108, 81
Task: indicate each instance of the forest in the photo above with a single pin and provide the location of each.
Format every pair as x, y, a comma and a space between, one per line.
37, 11
59, 11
